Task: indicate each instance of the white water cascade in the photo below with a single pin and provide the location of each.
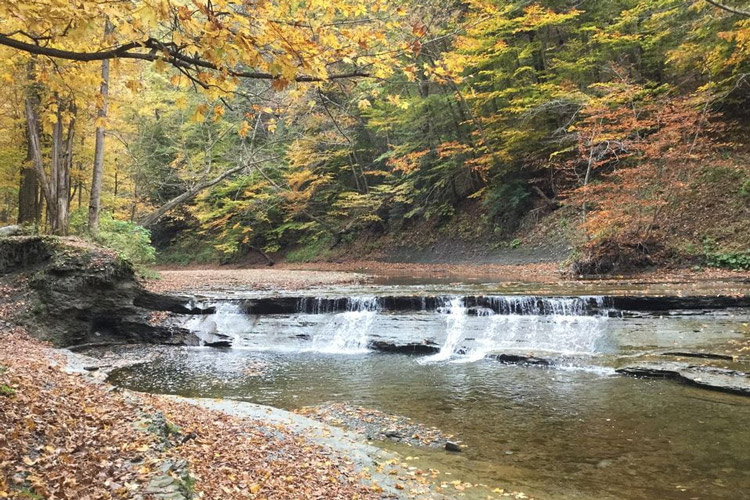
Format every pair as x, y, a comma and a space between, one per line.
466, 328
558, 325
347, 332
228, 320
455, 319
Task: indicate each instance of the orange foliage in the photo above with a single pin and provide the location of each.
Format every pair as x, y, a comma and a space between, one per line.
636, 156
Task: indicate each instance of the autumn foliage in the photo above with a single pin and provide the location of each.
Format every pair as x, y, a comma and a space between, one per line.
238, 127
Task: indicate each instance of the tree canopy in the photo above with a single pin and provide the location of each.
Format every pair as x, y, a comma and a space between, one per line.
269, 124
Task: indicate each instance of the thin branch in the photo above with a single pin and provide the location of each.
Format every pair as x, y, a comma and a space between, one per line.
733, 10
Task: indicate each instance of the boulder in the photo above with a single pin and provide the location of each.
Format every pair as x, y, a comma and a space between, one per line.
519, 359
425, 347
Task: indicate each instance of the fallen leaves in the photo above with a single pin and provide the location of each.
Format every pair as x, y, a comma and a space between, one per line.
63, 436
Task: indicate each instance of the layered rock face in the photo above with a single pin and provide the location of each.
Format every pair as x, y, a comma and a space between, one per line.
78, 293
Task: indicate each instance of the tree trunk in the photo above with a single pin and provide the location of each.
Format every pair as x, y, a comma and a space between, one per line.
153, 217
28, 205
96, 181
56, 186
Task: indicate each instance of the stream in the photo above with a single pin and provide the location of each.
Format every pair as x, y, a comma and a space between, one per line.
570, 428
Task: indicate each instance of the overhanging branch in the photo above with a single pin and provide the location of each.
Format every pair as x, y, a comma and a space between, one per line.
157, 51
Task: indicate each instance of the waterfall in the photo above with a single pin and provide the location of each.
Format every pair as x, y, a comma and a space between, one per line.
466, 327
455, 312
347, 332
523, 323
227, 321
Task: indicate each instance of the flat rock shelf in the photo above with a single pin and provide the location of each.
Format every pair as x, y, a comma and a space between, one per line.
511, 376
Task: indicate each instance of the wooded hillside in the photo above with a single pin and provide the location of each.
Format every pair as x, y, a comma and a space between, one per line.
235, 127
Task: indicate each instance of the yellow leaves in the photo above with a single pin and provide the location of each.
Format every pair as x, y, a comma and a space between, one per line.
396, 100
134, 86
148, 16
272, 125
244, 129
218, 112
364, 104
160, 65
181, 102
254, 488
199, 115
537, 16
411, 72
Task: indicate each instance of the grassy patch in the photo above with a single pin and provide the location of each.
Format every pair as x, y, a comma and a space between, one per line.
7, 391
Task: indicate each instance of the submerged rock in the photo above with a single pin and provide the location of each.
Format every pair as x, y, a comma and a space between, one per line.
219, 343
717, 379
451, 446
377, 425
701, 355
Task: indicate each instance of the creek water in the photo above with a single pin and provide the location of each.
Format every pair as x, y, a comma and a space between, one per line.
573, 430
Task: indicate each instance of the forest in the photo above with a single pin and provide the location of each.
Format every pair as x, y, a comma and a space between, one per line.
221, 129
374, 249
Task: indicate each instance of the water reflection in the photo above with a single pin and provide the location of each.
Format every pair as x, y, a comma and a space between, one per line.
556, 433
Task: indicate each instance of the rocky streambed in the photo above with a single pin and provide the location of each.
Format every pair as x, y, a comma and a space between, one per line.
503, 372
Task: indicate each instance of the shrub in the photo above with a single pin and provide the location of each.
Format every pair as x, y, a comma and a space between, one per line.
730, 260
716, 257
131, 241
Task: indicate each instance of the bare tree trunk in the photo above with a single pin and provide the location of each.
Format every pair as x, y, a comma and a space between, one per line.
56, 187
96, 181
28, 205
153, 217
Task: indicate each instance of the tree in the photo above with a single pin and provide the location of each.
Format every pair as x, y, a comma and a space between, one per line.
98, 171
212, 42
55, 180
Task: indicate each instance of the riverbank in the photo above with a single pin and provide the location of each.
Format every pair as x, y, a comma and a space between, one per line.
544, 275
66, 436
72, 436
